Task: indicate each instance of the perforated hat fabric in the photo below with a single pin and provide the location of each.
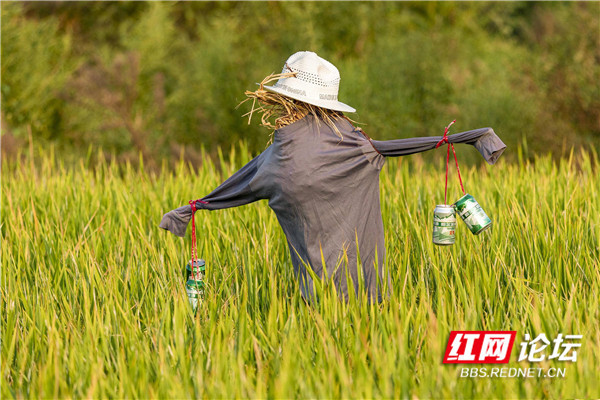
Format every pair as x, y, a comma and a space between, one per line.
317, 81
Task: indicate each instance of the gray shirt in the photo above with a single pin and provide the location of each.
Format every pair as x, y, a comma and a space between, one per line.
325, 194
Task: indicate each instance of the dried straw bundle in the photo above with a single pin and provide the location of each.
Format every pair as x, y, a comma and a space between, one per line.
278, 110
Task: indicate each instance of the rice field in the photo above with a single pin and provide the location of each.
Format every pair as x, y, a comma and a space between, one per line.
94, 305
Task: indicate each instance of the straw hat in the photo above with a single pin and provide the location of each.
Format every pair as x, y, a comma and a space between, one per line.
317, 81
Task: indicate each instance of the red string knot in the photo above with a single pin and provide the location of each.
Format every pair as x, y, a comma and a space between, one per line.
441, 142
445, 137
193, 203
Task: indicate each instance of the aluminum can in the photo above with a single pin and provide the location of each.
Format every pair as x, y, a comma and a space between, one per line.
444, 224
471, 212
194, 285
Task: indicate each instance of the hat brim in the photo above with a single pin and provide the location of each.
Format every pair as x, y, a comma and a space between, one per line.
328, 104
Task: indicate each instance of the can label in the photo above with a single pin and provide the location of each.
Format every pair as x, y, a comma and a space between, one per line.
471, 212
195, 292
444, 225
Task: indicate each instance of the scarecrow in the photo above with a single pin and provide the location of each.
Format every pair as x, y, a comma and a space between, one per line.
320, 176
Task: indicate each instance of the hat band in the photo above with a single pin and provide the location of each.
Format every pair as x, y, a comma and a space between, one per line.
324, 94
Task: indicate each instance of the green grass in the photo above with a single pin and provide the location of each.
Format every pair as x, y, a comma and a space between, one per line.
93, 299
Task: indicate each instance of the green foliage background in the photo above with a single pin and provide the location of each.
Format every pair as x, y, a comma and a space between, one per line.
158, 78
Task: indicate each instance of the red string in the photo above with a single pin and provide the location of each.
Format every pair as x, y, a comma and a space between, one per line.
193, 261
446, 187
445, 137
457, 169
445, 140
192, 204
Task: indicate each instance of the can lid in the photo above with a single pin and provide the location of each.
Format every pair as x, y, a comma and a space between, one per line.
197, 263
445, 206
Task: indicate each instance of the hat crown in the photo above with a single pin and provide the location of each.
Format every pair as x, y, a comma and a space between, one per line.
316, 81
312, 69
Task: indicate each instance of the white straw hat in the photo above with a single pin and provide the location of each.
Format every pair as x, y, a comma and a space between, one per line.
317, 81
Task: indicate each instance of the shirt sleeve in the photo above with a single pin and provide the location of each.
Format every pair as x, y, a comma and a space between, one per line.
239, 189
485, 140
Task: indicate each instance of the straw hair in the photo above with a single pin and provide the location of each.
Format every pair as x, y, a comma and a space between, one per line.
278, 110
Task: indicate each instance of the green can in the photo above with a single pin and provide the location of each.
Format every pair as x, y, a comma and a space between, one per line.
444, 225
194, 285
471, 212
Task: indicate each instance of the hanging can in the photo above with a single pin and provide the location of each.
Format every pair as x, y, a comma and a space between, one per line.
194, 285
444, 225
471, 212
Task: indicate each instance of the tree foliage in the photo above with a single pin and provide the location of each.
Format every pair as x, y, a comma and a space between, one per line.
159, 77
